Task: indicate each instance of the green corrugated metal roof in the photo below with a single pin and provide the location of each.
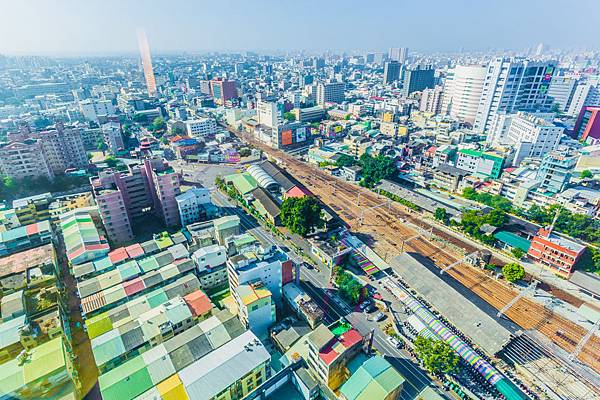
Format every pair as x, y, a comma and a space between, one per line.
375, 379
513, 240
98, 325
244, 182
148, 264
157, 297
107, 346
126, 382
129, 270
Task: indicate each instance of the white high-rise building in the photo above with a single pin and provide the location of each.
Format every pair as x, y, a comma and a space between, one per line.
585, 94
399, 54
532, 136
113, 136
431, 100
267, 114
332, 92
561, 90
201, 127
462, 91
92, 109
191, 204
511, 85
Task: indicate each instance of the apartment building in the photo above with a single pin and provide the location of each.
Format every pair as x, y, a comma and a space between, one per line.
191, 205
555, 252
23, 160
201, 127
270, 266
256, 308
124, 198
329, 353
331, 92
113, 136
63, 148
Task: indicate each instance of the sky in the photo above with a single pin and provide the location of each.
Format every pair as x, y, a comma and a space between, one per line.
72, 27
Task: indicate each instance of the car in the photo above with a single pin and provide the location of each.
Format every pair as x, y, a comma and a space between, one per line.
365, 304
308, 266
370, 309
394, 342
380, 316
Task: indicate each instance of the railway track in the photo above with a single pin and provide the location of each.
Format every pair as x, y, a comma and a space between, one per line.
385, 232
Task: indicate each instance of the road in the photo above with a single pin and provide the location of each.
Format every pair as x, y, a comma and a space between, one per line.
316, 284
385, 228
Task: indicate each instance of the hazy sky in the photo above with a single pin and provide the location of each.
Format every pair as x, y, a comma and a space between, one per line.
108, 26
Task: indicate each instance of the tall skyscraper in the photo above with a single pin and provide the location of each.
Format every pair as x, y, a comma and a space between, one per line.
391, 72
462, 91
147, 62
332, 92
511, 85
418, 79
399, 54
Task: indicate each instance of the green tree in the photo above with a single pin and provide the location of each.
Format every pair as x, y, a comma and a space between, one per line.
101, 145
586, 173
245, 152
289, 116
441, 214
496, 218
111, 161
158, 124
302, 215
374, 169
350, 289
517, 253
41, 123
140, 118
436, 356
513, 272
345, 161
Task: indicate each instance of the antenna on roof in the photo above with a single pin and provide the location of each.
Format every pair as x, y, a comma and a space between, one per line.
551, 228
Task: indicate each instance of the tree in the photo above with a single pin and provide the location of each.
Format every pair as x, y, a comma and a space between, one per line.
586, 173
41, 123
350, 289
158, 124
441, 214
111, 161
140, 118
496, 218
513, 272
374, 169
101, 145
517, 253
245, 152
345, 161
436, 356
289, 116
302, 215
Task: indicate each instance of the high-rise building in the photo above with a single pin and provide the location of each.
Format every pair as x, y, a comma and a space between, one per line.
511, 85
418, 79
113, 137
399, 54
191, 205
268, 114
561, 90
531, 136
586, 94
125, 198
331, 92
24, 159
223, 90
201, 127
147, 63
431, 100
587, 127
555, 171
462, 91
391, 72
63, 148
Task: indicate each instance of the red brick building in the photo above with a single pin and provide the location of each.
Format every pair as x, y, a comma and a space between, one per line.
554, 252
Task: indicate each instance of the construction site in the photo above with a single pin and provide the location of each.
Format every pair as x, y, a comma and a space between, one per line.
391, 229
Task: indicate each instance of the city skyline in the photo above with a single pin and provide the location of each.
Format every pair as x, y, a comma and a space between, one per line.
109, 27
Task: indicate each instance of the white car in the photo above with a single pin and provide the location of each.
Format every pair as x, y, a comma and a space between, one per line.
394, 342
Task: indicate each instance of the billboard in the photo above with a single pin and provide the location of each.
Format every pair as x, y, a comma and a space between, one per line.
286, 137
300, 134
